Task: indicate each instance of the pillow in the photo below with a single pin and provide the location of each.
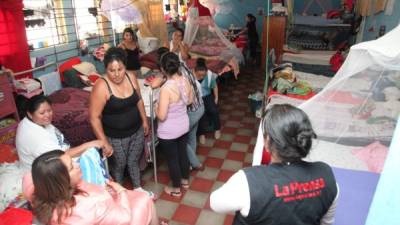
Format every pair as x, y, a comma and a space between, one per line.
68, 65
85, 68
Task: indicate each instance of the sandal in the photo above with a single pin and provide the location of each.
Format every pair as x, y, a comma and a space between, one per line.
173, 193
185, 184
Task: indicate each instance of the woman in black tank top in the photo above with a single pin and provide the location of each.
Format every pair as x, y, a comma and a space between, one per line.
118, 117
131, 47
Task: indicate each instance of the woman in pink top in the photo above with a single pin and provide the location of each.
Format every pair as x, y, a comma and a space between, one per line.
173, 121
59, 196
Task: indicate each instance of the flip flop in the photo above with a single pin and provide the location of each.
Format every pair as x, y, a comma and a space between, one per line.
176, 194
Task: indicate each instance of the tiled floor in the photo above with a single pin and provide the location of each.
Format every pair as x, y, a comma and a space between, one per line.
222, 158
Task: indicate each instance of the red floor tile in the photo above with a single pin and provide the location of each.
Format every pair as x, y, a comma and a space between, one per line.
222, 144
207, 205
201, 184
203, 150
224, 175
213, 162
162, 177
228, 219
186, 214
248, 125
242, 139
234, 155
229, 130
235, 118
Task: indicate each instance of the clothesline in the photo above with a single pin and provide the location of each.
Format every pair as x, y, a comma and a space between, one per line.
34, 69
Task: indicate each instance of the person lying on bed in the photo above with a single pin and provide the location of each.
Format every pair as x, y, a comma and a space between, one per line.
177, 45
288, 190
36, 135
58, 195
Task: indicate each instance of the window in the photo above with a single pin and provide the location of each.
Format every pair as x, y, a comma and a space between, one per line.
43, 21
86, 22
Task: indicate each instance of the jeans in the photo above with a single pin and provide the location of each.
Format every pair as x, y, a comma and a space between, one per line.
194, 118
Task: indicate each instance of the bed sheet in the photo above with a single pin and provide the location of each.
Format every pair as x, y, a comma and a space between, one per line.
71, 114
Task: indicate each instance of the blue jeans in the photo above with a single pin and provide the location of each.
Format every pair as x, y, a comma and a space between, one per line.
194, 118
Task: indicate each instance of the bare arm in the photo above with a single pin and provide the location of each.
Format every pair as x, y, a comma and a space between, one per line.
78, 150
98, 99
140, 105
184, 49
163, 102
215, 91
244, 30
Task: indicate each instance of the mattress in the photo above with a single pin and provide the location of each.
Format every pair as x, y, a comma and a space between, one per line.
309, 57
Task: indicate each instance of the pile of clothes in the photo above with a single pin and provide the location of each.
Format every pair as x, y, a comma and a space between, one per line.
285, 82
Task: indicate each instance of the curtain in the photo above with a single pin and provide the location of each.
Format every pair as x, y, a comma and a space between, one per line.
153, 19
14, 51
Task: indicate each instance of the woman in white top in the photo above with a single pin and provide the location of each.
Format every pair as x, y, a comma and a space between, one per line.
36, 135
177, 45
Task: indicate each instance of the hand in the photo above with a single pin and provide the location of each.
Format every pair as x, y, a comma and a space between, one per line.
96, 144
146, 128
107, 150
115, 186
216, 101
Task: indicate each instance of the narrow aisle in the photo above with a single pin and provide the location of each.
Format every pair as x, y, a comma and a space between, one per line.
221, 158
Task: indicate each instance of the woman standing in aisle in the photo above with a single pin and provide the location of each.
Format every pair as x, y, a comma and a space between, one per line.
118, 116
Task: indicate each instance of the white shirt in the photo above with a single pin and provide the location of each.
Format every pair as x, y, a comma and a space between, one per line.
32, 140
234, 195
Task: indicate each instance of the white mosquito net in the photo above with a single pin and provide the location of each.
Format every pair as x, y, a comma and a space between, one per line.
205, 38
355, 116
356, 113
358, 109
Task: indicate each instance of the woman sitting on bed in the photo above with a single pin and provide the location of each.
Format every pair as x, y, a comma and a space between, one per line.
177, 45
36, 135
60, 196
287, 191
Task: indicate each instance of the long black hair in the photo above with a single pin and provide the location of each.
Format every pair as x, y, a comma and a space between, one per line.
289, 132
197, 98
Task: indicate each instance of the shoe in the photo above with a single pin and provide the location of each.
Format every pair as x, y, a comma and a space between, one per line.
217, 134
202, 139
173, 193
199, 168
149, 193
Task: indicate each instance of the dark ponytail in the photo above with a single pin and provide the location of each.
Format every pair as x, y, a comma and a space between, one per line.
290, 132
170, 63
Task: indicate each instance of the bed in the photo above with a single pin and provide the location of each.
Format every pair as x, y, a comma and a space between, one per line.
71, 116
317, 32
310, 61
216, 65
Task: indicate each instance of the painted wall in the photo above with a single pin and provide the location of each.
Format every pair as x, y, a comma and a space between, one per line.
373, 23
240, 8
314, 7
